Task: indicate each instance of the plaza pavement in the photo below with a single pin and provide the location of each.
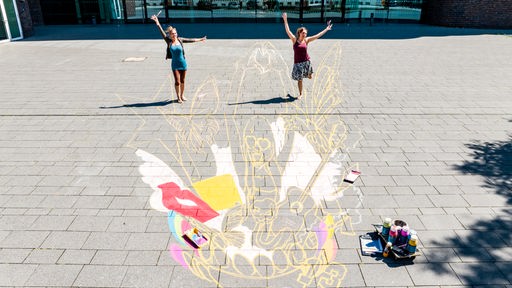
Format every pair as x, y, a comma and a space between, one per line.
425, 113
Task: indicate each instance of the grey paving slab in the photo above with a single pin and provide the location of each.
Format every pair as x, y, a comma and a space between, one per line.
422, 275
106, 241
15, 274
383, 275
44, 256
109, 257
54, 275
410, 106
475, 274
24, 239
147, 276
14, 256
71, 256
100, 276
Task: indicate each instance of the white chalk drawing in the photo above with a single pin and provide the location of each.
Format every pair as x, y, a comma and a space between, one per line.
281, 215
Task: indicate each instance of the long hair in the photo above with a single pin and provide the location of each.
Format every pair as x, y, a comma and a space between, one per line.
299, 30
169, 30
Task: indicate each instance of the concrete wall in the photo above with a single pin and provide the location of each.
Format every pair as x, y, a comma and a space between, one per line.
468, 13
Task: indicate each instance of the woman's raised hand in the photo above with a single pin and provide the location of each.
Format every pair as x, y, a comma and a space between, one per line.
329, 25
285, 16
154, 18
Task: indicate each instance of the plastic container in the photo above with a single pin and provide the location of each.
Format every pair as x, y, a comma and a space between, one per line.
393, 233
413, 242
387, 249
385, 227
403, 237
411, 232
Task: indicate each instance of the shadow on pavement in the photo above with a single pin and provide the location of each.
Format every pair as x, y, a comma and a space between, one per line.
237, 31
141, 105
275, 100
488, 237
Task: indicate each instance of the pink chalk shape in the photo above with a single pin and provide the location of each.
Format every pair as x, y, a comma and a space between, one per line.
321, 235
330, 249
185, 226
177, 254
186, 203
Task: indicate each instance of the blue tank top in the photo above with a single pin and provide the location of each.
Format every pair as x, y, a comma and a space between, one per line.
178, 60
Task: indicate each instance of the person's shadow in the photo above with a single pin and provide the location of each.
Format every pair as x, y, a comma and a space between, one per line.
142, 105
275, 100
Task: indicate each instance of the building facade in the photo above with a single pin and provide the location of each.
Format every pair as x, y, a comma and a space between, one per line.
13, 15
468, 13
17, 17
48, 12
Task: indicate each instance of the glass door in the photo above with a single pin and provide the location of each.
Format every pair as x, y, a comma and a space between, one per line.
137, 11
10, 26
3, 23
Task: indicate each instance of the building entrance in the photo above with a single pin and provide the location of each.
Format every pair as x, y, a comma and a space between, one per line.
10, 26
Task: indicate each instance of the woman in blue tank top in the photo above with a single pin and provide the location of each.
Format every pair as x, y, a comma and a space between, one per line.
178, 62
301, 65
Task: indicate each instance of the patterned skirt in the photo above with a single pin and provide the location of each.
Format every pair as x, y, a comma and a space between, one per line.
302, 70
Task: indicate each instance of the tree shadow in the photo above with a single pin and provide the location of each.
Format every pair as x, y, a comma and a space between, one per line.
494, 162
486, 242
275, 100
142, 105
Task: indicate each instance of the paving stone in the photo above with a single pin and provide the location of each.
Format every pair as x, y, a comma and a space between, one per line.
378, 181
109, 257
179, 277
285, 279
106, 241
347, 256
427, 274
9, 222
448, 201
399, 190
258, 276
90, 223
16, 256
147, 241
76, 256
441, 222
93, 202
58, 202
394, 275
418, 201
101, 276
141, 276
24, 239
15, 274
469, 254
409, 180
505, 269
338, 276
54, 275
438, 238
479, 273
44, 256
52, 223
485, 200
128, 224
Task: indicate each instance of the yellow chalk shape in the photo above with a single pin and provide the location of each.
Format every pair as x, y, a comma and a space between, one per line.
219, 192
329, 222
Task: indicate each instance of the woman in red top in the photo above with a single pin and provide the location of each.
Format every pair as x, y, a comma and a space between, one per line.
302, 66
